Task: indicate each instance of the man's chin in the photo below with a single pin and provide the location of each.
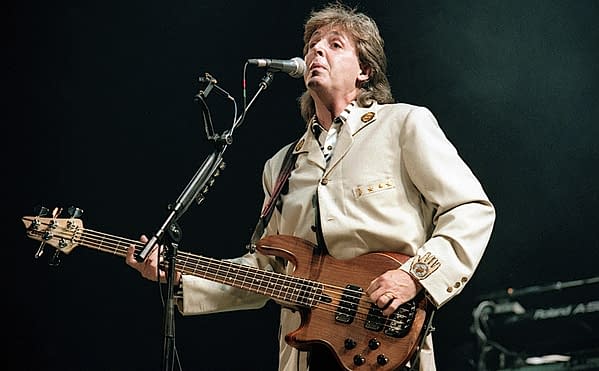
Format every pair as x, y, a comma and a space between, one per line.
314, 83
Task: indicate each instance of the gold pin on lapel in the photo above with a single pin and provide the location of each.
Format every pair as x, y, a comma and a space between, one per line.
299, 144
367, 116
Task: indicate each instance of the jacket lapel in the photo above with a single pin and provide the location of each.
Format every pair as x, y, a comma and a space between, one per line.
308, 143
357, 119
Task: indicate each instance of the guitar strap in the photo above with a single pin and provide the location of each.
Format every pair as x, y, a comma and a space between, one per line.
286, 167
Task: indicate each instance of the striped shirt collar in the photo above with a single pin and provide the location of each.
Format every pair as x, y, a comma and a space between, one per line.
317, 128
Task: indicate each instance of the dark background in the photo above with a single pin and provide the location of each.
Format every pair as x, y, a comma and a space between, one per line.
99, 113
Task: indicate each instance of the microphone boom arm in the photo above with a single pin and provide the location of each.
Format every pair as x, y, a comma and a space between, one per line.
196, 189
199, 185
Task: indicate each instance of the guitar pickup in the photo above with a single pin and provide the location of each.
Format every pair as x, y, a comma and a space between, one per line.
375, 320
348, 305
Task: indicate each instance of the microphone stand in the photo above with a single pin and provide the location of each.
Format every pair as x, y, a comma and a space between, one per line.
196, 189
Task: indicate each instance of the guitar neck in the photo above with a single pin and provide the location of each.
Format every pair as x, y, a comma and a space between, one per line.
274, 285
278, 286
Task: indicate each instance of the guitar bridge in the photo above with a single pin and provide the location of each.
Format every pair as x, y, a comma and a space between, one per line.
397, 325
401, 320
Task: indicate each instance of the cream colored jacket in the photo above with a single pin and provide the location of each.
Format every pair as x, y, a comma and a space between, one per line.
394, 183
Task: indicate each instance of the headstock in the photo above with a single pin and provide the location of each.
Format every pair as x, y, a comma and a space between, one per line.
62, 233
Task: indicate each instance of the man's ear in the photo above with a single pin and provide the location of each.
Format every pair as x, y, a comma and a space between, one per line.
364, 74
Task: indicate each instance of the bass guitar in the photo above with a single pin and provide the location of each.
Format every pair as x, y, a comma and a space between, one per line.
327, 292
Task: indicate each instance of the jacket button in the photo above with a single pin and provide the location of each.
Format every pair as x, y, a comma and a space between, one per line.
324, 181
313, 228
450, 289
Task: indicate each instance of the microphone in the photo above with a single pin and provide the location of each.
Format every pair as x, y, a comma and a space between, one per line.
295, 67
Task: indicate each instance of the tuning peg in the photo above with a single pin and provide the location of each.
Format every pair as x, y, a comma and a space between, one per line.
41, 211
40, 250
75, 212
56, 212
55, 259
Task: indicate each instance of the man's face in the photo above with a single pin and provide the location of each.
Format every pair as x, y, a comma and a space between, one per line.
332, 63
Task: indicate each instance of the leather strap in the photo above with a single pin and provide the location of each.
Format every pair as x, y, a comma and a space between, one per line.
286, 167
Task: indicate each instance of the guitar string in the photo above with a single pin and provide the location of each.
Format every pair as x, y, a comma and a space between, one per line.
309, 287
108, 243
107, 240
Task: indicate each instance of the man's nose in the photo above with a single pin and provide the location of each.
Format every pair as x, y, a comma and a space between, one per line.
318, 48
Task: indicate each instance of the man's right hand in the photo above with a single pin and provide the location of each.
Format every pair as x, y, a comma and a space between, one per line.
149, 268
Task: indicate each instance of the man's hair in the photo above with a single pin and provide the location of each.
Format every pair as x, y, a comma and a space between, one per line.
369, 47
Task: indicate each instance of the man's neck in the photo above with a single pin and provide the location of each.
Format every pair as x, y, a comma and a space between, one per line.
328, 110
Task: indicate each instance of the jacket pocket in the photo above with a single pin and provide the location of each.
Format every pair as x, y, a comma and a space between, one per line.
372, 188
